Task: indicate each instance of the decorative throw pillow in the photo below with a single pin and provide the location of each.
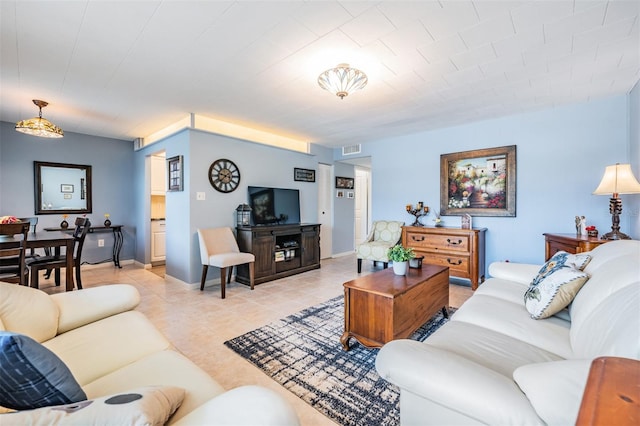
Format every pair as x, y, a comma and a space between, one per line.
151, 405
32, 376
556, 284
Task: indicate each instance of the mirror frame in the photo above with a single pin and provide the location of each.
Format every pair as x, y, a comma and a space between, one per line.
37, 165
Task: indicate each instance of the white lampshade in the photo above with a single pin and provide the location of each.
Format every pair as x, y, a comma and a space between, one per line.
618, 179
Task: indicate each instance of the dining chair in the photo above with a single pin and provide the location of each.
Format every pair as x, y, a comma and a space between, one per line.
13, 248
33, 224
48, 263
218, 247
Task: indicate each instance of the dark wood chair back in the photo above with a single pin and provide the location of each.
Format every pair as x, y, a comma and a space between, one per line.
33, 224
48, 263
13, 248
82, 229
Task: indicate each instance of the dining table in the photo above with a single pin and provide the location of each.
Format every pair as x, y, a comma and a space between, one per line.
56, 240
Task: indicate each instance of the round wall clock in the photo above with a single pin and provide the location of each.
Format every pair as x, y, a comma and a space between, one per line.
224, 175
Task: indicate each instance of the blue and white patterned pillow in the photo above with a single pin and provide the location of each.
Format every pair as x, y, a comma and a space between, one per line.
556, 284
32, 376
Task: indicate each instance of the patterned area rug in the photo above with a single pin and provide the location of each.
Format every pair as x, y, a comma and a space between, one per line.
303, 353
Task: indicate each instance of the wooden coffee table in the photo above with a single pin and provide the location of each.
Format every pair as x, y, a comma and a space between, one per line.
382, 306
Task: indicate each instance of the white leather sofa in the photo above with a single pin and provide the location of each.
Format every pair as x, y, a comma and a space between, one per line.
111, 348
494, 364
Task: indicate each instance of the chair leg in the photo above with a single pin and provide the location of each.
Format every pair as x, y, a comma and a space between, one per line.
250, 274
359, 265
229, 273
385, 265
56, 274
78, 279
34, 277
223, 284
204, 276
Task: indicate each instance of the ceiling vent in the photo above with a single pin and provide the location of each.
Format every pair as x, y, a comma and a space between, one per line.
352, 149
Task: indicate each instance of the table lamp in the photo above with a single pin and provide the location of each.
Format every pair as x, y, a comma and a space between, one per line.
617, 179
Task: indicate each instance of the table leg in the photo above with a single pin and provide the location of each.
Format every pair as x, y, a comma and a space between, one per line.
344, 339
117, 245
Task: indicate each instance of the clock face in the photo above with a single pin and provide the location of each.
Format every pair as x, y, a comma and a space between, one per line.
224, 175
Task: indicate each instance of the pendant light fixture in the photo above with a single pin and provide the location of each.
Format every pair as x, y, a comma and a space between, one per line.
38, 126
342, 80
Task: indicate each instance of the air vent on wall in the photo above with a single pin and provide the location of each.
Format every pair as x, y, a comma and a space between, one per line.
351, 149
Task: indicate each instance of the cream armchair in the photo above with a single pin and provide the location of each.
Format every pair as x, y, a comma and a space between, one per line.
384, 234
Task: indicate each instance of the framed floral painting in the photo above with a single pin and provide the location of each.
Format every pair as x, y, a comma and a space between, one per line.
479, 183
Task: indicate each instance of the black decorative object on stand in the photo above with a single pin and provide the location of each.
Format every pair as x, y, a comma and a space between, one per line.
419, 211
64, 224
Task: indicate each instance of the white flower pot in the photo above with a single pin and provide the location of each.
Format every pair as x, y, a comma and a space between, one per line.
400, 268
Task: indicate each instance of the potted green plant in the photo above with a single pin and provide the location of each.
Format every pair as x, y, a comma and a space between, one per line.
400, 257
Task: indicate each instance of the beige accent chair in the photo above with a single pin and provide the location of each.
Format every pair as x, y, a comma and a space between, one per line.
384, 234
218, 247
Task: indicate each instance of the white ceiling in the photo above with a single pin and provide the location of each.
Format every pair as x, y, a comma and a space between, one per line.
126, 69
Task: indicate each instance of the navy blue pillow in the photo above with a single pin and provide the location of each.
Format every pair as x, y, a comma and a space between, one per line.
31, 376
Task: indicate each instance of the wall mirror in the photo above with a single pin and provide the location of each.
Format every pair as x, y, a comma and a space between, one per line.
62, 188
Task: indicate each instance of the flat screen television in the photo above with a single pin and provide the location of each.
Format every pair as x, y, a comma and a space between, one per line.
274, 206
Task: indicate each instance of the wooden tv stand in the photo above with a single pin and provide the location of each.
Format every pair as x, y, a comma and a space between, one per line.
280, 250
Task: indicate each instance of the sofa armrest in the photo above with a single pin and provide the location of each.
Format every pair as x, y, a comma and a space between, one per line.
454, 382
245, 405
519, 272
78, 308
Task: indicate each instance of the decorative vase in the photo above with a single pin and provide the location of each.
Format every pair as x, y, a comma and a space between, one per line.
107, 223
64, 224
400, 268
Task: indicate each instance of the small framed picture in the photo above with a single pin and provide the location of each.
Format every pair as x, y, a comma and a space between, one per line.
344, 182
465, 221
175, 173
68, 188
350, 194
304, 175
340, 194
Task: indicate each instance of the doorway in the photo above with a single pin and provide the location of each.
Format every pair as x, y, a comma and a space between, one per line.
158, 183
325, 209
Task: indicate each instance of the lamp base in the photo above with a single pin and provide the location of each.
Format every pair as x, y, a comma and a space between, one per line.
615, 235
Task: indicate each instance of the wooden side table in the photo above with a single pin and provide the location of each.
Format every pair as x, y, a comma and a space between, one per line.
571, 243
612, 394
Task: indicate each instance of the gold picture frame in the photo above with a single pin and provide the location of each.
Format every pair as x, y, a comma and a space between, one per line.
479, 183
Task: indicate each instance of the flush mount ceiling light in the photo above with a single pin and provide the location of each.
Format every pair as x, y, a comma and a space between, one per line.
38, 126
342, 80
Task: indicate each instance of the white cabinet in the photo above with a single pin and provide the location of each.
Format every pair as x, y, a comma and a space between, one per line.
158, 175
158, 241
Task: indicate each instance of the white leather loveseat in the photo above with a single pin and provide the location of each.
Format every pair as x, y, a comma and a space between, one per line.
494, 364
111, 348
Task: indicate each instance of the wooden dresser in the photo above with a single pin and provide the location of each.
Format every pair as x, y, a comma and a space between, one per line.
462, 250
571, 243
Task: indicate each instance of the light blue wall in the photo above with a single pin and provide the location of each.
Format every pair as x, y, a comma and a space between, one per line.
562, 153
112, 178
561, 156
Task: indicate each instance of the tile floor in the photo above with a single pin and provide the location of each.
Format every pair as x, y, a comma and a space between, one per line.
197, 323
